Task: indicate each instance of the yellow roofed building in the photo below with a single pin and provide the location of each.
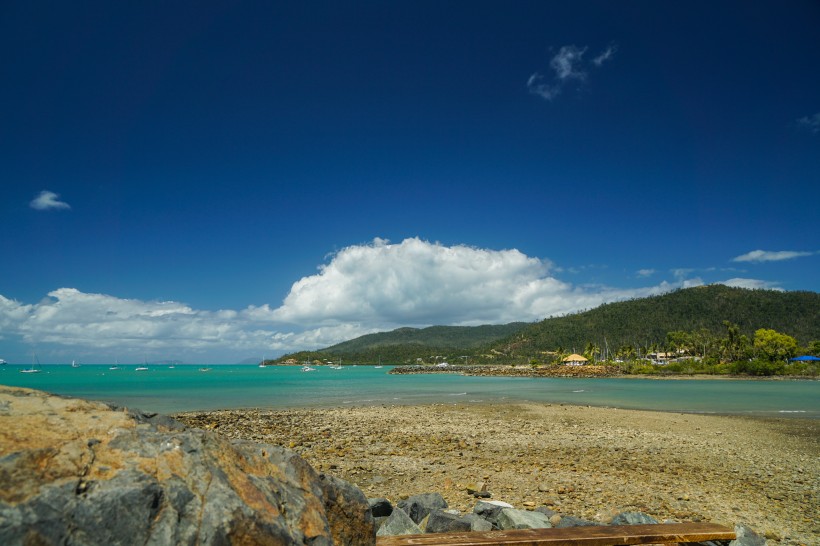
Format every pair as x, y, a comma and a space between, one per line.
574, 360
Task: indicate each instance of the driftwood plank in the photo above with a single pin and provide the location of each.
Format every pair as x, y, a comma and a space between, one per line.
604, 535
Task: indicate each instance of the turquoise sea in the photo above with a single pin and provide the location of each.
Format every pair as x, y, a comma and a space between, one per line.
186, 388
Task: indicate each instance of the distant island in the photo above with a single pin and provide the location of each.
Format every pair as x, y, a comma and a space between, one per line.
713, 330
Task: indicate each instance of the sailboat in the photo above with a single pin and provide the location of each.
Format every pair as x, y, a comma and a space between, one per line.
32, 369
75, 364
116, 365
379, 365
307, 368
143, 368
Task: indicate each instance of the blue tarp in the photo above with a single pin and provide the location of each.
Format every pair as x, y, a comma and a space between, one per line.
807, 357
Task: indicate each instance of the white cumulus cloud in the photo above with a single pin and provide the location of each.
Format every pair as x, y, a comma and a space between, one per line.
361, 289
48, 200
771, 256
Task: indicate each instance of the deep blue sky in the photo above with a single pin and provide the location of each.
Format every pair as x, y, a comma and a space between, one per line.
210, 155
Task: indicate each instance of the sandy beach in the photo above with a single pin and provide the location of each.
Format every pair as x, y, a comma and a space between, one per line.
583, 461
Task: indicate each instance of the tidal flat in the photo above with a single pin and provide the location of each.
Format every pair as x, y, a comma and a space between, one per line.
583, 461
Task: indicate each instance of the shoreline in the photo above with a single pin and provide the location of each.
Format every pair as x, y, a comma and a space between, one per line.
591, 462
576, 372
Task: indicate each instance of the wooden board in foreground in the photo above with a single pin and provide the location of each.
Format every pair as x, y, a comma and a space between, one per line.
604, 535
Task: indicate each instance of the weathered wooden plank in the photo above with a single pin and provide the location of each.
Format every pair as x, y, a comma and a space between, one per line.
604, 535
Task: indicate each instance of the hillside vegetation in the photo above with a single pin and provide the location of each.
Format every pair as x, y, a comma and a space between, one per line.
632, 327
404, 345
642, 323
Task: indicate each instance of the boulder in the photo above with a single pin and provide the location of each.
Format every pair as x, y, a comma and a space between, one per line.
747, 537
398, 523
79, 472
418, 506
633, 518
477, 523
344, 503
572, 521
512, 518
380, 507
440, 521
546, 511
490, 510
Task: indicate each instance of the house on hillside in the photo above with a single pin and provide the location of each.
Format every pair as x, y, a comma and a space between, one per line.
574, 360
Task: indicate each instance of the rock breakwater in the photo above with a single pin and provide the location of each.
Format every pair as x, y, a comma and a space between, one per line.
512, 371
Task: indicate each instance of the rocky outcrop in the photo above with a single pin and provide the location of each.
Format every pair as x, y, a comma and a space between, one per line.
79, 472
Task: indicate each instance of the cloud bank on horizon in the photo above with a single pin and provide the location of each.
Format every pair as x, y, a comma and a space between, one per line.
362, 289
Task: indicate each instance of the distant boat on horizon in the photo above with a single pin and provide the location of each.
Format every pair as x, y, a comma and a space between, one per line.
33, 369
307, 368
75, 364
144, 367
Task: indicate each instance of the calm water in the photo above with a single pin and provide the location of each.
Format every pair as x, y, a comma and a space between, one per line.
184, 388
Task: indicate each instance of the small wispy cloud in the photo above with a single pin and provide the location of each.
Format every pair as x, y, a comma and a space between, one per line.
646, 272
771, 256
48, 200
810, 123
681, 273
567, 65
605, 55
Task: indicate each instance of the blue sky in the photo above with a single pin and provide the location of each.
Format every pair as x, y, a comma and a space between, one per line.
212, 181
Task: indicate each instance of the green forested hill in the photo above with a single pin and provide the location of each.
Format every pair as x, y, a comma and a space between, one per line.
406, 344
646, 321
637, 323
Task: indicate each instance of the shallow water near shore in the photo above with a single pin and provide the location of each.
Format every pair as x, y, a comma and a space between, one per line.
187, 388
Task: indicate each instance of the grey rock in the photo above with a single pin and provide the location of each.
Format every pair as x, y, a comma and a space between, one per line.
747, 537
345, 507
92, 475
633, 518
380, 507
546, 511
444, 522
490, 510
572, 521
398, 523
418, 506
512, 518
477, 523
